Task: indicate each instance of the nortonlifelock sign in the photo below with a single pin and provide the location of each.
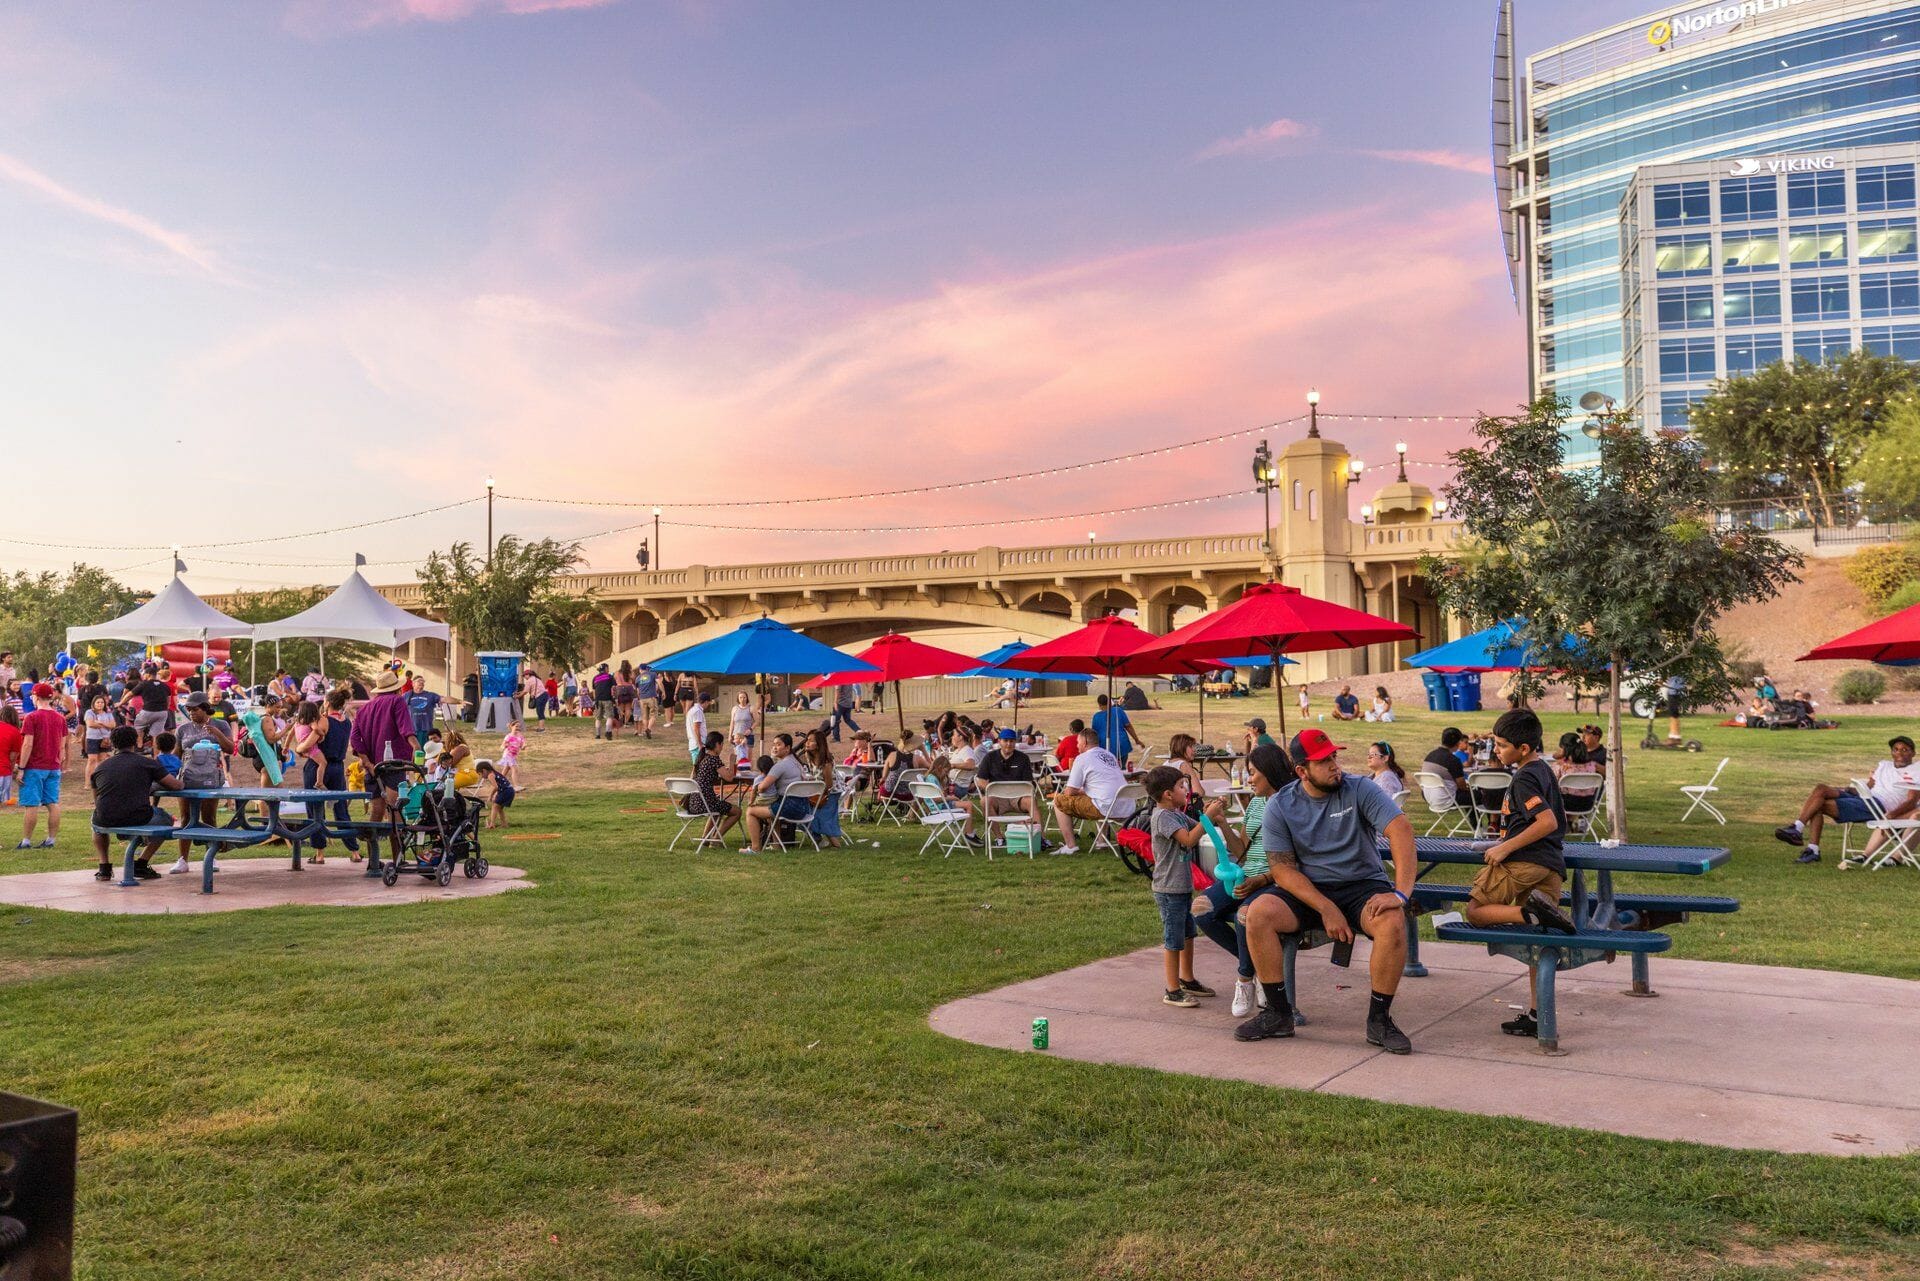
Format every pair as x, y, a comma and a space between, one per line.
1699, 21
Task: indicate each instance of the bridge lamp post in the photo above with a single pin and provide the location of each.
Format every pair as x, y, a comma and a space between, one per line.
1313, 413
1263, 475
657, 562
489, 522
1400, 448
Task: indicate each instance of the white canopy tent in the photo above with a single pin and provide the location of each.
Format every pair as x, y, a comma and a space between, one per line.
356, 612
175, 614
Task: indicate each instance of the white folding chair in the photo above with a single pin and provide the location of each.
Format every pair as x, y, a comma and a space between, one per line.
806, 789
1114, 815
1699, 792
1018, 793
680, 790
945, 822
1896, 849
1443, 802
1581, 795
1489, 788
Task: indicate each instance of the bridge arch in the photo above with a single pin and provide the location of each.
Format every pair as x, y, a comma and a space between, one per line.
687, 617
1173, 607
1108, 600
852, 624
1049, 601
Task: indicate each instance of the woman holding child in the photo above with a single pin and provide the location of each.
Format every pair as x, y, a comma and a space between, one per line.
1267, 773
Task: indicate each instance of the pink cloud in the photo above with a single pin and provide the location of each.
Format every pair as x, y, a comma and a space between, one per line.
316, 17
1259, 139
177, 244
1478, 166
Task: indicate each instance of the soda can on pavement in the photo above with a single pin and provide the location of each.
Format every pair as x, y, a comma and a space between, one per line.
1039, 1034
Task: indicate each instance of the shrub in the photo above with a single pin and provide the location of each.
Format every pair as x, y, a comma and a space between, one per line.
1881, 571
1859, 686
1903, 597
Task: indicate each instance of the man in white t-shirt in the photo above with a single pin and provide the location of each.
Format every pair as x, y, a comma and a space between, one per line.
1892, 786
696, 719
1091, 791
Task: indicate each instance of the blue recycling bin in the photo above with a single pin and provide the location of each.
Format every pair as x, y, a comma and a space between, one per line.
1438, 699
1463, 690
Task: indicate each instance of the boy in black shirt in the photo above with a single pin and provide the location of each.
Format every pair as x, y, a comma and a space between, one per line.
123, 797
1521, 882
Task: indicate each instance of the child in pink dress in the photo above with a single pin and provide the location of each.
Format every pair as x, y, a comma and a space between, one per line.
510, 752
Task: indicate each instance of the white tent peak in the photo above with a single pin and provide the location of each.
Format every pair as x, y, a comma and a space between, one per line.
354, 612
175, 614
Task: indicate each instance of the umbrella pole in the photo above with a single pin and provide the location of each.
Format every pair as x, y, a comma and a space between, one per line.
206, 677
899, 707
1280, 688
321, 646
1203, 706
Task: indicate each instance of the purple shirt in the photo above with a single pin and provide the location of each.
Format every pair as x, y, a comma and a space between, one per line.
383, 729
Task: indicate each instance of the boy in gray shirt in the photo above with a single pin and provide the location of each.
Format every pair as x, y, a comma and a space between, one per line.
1175, 836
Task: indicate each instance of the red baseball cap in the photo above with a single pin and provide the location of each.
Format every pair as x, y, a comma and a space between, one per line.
1312, 745
43, 690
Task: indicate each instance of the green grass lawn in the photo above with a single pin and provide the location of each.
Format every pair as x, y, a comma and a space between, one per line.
657, 1065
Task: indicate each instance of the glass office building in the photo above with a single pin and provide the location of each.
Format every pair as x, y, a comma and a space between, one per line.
1613, 137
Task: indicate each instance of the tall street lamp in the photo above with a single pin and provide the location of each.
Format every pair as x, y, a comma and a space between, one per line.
489, 522
657, 562
1263, 475
1400, 448
1313, 412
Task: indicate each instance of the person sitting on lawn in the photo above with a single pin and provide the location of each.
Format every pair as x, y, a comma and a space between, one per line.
1256, 736
1006, 763
781, 770
1525, 869
1892, 786
1593, 738
123, 797
1069, 745
1445, 760
1345, 706
1322, 840
1091, 791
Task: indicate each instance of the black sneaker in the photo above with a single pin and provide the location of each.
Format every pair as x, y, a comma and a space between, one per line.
1543, 913
1525, 1025
975, 841
1808, 855
1196, 988
1268, 1023
145, 873
1791, 835
104, 874
1382, 1032
1181, 999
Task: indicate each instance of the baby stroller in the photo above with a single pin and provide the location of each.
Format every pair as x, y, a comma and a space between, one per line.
437, 827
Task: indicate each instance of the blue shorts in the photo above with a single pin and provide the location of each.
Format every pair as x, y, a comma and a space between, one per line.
795, 809
39, 787
1847, 807
1176, 920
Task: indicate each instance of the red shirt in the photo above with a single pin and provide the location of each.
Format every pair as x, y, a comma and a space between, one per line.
553, 688
1067, 749
47, 728
9, 748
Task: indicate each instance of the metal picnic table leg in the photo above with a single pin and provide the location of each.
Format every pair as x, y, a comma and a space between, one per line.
1544, 968
1413, 969
1642, 979
127, 878
206, 867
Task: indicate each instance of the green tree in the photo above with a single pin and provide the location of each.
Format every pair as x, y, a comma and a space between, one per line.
1888, 469
37, 609
340, 658
1797, 430
1616, 568
514, 602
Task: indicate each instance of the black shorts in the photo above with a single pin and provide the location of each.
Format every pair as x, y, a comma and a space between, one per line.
1674, 705
1349, 896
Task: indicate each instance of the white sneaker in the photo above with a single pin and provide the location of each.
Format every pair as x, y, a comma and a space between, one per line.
1244, 993
179, 867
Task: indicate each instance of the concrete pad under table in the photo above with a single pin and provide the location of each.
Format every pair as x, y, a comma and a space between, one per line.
1742, 1056
243, 883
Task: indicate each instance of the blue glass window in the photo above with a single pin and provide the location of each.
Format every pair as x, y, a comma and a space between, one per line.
1749, 199
1683, 256
1751, 302
1686, 359
1816, 194
1821, 298
1819, 245
1749, 352
1817, 345
1888, 240
1682, 204
1676, 407
1889, 293
1881, 187
1893, 340
1686, 307
1750, 250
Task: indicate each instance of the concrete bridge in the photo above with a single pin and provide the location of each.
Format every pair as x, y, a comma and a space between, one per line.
1316, 544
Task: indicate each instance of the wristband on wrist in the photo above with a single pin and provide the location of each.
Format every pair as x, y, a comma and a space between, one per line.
1402, 897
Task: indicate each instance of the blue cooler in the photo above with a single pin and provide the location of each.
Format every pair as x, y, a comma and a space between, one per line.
1438, 700
1463, 689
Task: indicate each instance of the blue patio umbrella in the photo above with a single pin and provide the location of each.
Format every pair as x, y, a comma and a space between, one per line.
1000, 665
1494, 649
764, 645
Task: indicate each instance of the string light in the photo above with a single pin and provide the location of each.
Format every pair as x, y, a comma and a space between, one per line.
238, 542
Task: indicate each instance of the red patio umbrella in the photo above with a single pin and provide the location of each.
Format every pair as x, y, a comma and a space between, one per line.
1277, 619
1894, 639
899, 658
1114, 647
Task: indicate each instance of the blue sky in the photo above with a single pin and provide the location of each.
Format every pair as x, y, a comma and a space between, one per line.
700, 249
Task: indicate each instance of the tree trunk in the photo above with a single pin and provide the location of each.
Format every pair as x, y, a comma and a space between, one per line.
1820, 492
1616, 758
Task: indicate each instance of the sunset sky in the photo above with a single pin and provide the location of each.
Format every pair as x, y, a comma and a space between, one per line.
282, 265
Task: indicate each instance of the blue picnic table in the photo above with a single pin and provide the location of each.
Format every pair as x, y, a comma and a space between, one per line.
1608, 922
240, 832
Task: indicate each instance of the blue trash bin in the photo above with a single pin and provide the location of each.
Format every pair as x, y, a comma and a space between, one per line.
1463, 690
1437, 697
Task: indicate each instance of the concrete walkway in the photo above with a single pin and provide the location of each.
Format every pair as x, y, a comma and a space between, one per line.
1738, 1055
243, 883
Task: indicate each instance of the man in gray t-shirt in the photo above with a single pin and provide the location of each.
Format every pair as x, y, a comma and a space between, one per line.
1322, 836
769, 788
